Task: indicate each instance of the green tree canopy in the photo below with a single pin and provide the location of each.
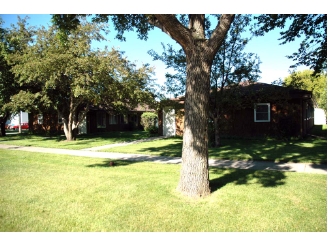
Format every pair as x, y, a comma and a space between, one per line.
68, 75
8, 86
230, 65
306, 80
312, 28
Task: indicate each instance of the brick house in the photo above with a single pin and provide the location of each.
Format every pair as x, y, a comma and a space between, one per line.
253, 110
97, 119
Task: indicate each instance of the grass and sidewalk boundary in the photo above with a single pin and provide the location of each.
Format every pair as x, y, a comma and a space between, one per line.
91, 152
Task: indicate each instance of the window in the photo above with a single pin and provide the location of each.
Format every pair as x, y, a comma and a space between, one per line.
40, 119
262, 112
112, 119
125, 119
101, 119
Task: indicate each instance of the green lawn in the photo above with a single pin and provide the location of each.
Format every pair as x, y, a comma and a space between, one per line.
45, 192
82, 142
309, 150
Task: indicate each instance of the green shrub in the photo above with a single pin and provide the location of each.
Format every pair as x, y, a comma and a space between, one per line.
149, 122
152, 130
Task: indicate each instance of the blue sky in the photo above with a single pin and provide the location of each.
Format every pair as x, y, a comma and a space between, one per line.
274, 64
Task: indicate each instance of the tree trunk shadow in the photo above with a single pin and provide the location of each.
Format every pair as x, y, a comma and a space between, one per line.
242, 177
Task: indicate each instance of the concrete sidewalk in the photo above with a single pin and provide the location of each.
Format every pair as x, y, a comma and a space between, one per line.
259, 165
108, 146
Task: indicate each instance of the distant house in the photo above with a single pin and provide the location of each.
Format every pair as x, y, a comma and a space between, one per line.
103, 120
97, 119
22, 117
255, 110
18, 119
49, 122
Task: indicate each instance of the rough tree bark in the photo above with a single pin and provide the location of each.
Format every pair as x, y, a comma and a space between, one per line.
194, 179
200, 52
70, 119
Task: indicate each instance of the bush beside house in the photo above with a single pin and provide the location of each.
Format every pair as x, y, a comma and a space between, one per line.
149, 121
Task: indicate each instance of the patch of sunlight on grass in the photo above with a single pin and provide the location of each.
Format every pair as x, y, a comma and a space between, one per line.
305, 145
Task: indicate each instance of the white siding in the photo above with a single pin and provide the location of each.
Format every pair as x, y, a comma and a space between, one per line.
24, 118
319, 116
168, 122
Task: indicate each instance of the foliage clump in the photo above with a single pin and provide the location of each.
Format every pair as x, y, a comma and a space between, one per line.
149, 121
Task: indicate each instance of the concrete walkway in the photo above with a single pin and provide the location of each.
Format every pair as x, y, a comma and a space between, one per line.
108, 146
259, 165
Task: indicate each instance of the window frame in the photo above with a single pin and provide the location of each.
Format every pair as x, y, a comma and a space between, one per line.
112, 119
40, 119
268, 112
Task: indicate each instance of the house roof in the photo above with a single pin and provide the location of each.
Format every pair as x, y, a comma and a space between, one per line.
139, 108
143, 108
260, 87
248, 87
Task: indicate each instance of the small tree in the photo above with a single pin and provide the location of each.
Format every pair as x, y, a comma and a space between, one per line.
149, 122
69, 75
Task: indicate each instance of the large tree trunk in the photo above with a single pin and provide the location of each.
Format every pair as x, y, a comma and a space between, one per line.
200, 52
194, 177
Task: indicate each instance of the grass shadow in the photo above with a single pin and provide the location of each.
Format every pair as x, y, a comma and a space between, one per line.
265, 178
312, 150
111, 164
172, 150
319, 166
171, 147
319, 130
